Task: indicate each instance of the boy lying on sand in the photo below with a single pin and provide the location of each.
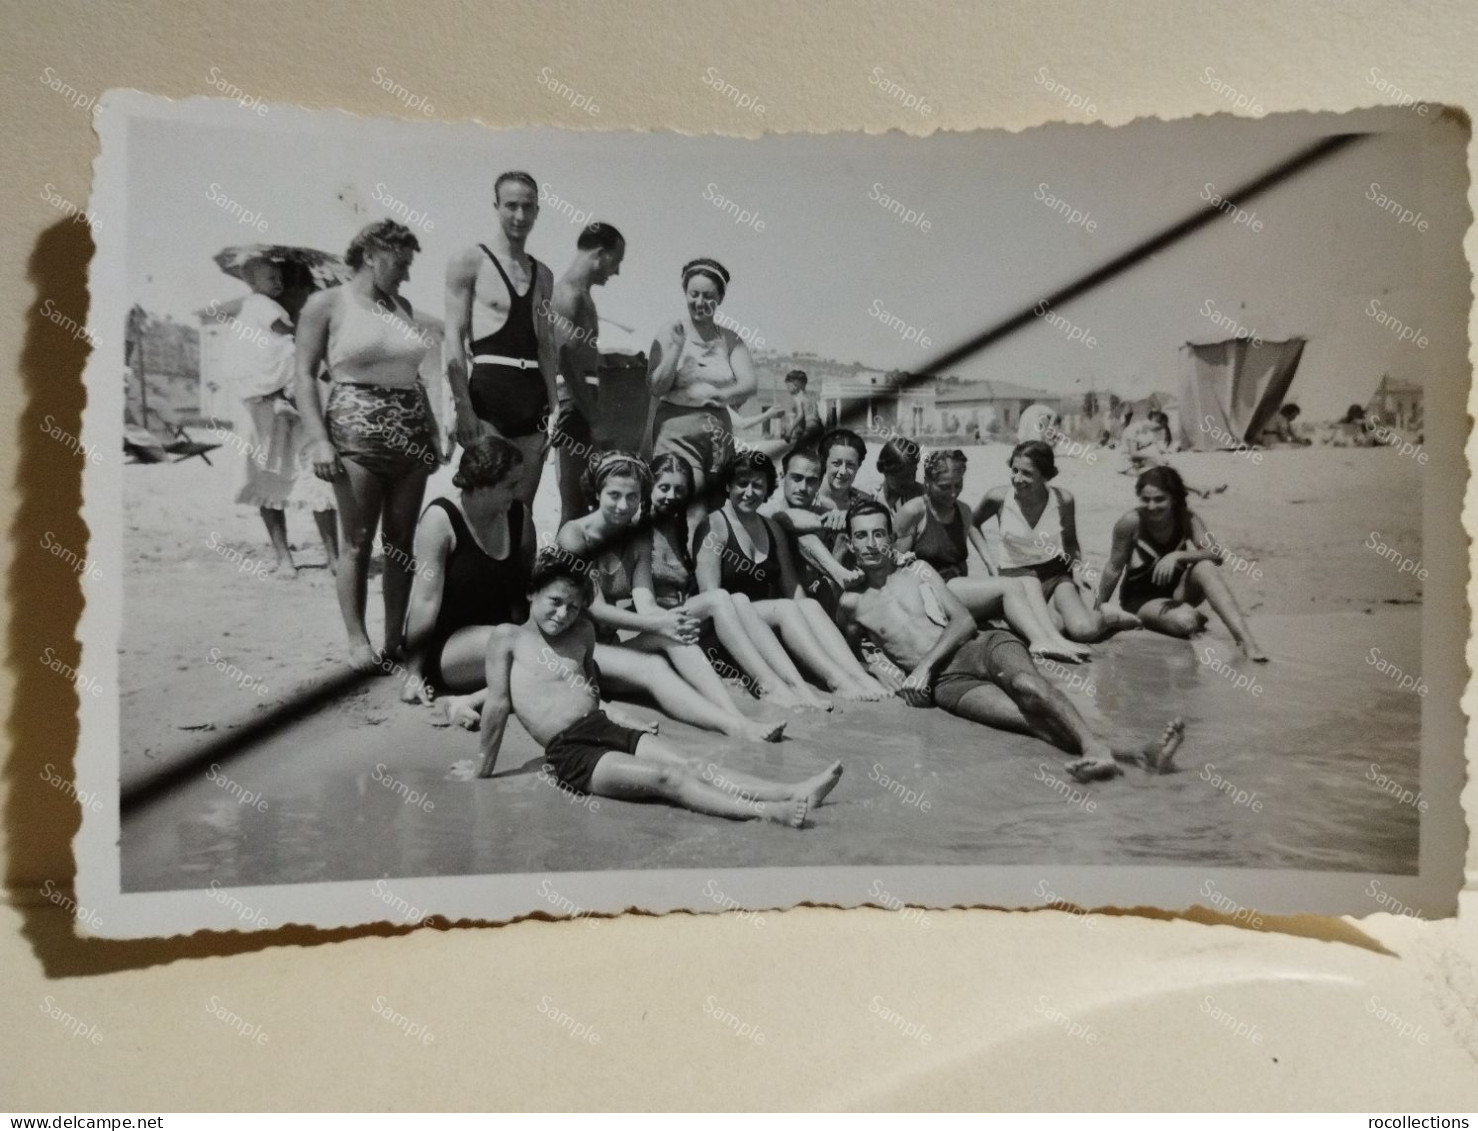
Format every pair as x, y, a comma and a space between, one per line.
542, 670
986, 677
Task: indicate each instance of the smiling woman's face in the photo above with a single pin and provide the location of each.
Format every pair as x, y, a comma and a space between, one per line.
748, 490
842, 464
703, 296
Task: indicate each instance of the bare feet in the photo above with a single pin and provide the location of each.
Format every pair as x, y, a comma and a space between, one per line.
814, 790
814, 699
455, 710
792, 813
756, 731
1253, 651
363, 658
1096, 764
865, 691
465, 770
782, 697
285, 571
1066, 653
1159, 755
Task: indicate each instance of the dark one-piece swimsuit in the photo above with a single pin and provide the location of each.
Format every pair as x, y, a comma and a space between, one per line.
477, 589
512, 399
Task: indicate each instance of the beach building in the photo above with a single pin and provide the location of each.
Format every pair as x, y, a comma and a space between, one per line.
964, 408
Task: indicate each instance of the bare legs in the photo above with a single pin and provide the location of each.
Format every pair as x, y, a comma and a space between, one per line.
328, 530
1179, 616
1205, 580
753, 645
809, 633
362, 497
1020, 601
629, 671
659, 771
1019, 699
276, 523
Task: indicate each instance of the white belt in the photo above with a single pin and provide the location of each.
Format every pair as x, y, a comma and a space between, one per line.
511, 362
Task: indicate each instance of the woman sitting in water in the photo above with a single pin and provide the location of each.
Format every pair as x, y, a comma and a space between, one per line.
744, 552
937, 529
622, 565
1039, 543
1168, 562
749, 641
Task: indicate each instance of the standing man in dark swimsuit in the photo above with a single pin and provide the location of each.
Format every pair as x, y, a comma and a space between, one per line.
572, 317
500, 360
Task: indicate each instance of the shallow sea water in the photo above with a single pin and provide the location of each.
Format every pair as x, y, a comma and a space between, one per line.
1302, 750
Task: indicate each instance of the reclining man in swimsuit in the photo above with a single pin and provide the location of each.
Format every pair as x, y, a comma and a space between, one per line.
987, 677
543, 671
500, 358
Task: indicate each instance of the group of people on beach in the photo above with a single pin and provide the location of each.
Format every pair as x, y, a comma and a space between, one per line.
696, 567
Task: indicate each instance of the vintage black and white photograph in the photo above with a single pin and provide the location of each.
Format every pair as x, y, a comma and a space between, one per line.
488, 522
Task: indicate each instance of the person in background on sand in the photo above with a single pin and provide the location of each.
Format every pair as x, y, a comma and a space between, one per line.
898, 463
744, 552
571, 315
937, 528
1168, 561
1149, 444
805, 427
986, 677
697, 371
621, 485
500, 359
278, 477
473, 555
746, 639
1038, 533
1279, 431
375, 439
545, 671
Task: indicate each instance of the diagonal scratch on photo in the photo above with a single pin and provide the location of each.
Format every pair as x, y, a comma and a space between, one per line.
489, 523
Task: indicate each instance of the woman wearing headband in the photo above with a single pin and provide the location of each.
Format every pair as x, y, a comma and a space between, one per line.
698, 371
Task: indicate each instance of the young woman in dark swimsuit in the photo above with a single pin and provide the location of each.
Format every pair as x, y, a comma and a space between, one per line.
744, 552
747, 639
660, 649
898, 463
473, 554
1168, 561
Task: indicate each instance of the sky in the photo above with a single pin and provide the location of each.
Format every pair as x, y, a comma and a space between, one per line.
829, 256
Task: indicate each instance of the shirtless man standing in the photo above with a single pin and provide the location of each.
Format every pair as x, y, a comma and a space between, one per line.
571, 315
986, 677
500, 359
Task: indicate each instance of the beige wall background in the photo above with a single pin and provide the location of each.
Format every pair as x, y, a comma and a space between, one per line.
996, 992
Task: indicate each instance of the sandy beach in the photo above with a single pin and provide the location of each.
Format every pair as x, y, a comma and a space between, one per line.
1319, 595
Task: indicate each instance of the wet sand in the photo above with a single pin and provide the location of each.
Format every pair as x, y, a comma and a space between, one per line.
1292, 763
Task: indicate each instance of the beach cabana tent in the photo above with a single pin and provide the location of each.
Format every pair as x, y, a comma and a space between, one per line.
1231, 389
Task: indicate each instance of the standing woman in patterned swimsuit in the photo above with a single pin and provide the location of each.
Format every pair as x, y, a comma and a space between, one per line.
375, 439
